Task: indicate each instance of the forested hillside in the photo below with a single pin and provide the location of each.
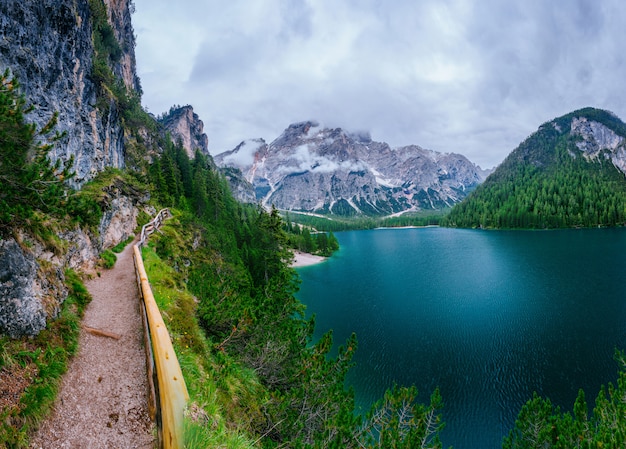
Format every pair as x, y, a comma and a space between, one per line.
558, 177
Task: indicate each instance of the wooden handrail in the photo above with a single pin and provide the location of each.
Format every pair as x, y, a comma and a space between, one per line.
172, 391
153, 225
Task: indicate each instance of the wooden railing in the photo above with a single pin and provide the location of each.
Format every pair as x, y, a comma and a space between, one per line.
168, 406
153, 225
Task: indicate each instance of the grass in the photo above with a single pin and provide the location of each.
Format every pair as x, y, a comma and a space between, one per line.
224, 397
121, 245
107, 259
34, 367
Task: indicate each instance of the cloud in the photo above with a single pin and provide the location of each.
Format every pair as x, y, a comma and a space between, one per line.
304, 159
245, 154
472, 77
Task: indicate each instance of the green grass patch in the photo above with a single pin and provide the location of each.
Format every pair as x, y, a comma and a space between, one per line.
107, 259
121, 245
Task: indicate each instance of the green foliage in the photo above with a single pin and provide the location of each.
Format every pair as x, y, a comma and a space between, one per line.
398, 421
32, 190
106, 47
105, 43
107, 51
224, 399
107, 259
336, 224
548, 183
77, 291
301, 238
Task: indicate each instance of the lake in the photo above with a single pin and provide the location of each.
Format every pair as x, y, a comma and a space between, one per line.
487, 316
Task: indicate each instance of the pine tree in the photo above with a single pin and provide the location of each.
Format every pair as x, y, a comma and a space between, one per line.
28, 181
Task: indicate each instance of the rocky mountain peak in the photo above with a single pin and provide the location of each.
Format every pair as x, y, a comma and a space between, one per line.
185, 125
329, 170
361, 137
294, 133
246, 157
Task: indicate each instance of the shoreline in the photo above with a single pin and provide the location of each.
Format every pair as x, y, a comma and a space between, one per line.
407, 227
301, 259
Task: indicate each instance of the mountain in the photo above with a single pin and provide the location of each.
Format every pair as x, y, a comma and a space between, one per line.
330, 171
183, 124
569, 173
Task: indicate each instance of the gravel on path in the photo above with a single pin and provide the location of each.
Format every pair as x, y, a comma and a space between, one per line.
103, 399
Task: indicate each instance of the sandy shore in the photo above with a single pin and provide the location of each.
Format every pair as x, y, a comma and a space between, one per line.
304, 259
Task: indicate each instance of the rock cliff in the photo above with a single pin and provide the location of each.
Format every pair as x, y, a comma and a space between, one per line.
119, 13
21, 312
48, 45
32, 275
315, 169
596, 139
185, 126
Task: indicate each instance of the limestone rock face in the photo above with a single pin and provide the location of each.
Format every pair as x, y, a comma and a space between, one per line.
315, 169
597, 139
119, 12
119, 219
21, 311
48, 45
240, 187
185, 125
119, 222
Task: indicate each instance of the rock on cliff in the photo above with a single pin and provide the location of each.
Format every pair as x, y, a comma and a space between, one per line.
119, 12
596, 139
185, 126
315, 169
21, 312
48, 45
240, 187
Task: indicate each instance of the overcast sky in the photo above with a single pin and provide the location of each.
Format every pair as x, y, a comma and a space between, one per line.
470, 77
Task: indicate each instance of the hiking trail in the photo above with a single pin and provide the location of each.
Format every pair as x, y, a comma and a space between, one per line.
103, 397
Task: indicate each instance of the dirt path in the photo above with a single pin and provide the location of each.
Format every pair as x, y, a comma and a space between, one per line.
103, 398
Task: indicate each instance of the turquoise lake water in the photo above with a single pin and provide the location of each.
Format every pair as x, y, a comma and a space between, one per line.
487, 316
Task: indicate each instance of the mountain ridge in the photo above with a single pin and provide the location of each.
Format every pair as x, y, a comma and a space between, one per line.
312, 168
